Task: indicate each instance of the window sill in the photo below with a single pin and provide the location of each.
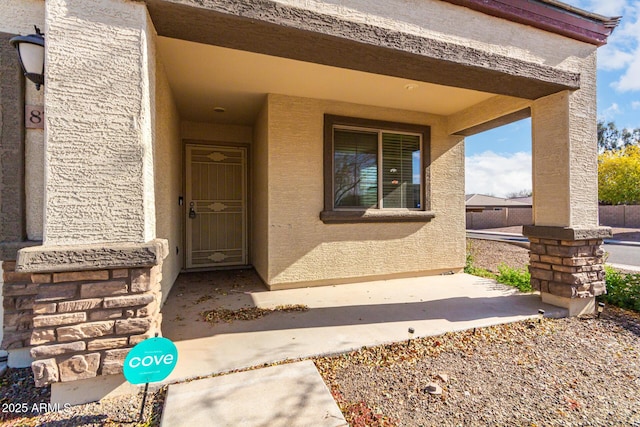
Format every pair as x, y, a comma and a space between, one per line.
375, 215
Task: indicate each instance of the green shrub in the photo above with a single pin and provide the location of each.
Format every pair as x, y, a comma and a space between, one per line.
468, 266
623, 290
480, 272
518, 278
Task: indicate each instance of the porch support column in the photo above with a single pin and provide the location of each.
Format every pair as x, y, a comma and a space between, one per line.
99, 108
92, 290
566, 258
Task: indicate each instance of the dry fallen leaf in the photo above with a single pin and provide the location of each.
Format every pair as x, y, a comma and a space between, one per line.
572, 403
247, 313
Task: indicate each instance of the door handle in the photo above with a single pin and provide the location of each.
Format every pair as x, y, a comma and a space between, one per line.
192, 212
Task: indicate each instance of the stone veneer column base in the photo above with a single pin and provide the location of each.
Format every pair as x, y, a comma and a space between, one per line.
576, 306
566, 265
18, 311
80, 309
18, 357
93, 389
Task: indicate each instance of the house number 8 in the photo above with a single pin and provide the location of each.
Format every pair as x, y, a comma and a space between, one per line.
34, 117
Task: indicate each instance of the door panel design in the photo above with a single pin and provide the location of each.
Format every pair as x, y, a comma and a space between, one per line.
216, 203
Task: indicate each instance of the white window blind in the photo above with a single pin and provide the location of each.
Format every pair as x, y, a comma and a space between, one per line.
400, 171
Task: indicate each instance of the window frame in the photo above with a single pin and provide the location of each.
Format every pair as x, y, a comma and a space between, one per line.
333, 214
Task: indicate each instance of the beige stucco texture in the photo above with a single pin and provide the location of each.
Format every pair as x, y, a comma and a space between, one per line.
19, 17
564, 130
301, 248
113, 148
288, 198
443, 21
112, 144
565, 184
34, 169
167, 156
130, 83
99, 100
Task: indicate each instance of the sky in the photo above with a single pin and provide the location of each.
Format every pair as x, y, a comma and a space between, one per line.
498, 162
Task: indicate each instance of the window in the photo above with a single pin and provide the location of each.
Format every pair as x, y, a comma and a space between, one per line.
375, 171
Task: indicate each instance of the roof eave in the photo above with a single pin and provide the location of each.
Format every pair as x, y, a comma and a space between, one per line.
549, 15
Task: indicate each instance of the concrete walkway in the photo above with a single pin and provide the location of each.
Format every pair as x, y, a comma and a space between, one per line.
339, 319
291, 395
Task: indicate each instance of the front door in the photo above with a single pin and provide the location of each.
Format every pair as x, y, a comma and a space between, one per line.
216, 206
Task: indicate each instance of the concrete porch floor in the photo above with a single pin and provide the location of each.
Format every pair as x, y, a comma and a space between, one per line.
340, 318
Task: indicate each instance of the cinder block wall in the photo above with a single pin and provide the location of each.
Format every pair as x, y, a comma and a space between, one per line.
620, 216
611, 216
632, 216
519, 216
486, 219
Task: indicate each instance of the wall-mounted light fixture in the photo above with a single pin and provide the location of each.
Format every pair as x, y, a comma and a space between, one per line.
31, 53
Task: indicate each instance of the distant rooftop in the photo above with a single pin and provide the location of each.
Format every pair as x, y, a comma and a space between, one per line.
484, 201
525, 200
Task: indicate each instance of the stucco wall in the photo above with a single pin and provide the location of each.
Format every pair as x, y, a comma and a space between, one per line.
215, 132
19, 17
583, 165
259, 178
564, 148
168, 179
99, 92
550, 159
304, 249
564, 140
564, 135
12, 227
34, 169
444, 21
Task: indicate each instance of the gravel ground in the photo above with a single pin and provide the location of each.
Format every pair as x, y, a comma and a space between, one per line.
23, 404
568, 372
565, 372
489, 254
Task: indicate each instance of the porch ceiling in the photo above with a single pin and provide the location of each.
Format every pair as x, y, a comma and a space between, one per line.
203, 77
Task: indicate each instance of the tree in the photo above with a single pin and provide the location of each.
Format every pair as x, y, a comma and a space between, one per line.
519, 194
611, 138
619, 176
